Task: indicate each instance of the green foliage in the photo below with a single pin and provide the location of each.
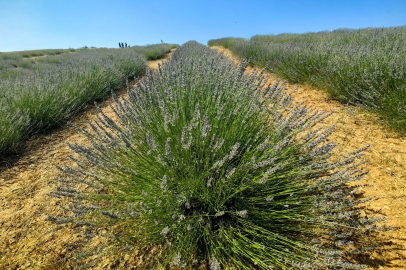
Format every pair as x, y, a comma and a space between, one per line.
365, 66
205, 162
42, 92
36, 53
156, 51
227, 42
12, 128
46, 93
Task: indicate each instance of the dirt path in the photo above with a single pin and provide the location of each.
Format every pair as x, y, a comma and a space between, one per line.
386, 162
27, 242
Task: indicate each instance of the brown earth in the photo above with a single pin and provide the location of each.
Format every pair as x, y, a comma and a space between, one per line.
29, 242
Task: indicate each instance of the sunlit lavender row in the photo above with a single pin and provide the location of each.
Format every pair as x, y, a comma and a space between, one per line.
365, 66
41, 89
215, 167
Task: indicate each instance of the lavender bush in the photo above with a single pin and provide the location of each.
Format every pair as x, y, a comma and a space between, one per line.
155, 51
363, 66
227, 42
210, 165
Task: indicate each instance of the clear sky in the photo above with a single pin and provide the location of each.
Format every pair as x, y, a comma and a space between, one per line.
59, 24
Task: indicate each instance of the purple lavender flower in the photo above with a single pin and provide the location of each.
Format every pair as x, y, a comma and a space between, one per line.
165, 231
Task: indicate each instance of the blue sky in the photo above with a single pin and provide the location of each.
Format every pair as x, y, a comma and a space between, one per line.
55, 24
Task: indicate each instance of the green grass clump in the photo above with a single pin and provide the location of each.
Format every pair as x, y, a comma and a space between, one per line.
209, 165
365, 66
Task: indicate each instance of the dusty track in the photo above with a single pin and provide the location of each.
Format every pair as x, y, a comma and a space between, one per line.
28, 242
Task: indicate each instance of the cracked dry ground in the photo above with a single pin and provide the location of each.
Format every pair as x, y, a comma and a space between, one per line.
29, 242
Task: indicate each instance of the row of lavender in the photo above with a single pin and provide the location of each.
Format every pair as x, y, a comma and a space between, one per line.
39, 93
365, 67
213, 167
25, 59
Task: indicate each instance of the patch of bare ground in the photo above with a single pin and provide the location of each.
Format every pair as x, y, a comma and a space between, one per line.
27, 241
386, 157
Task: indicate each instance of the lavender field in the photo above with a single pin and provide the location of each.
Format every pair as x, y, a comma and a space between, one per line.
366, 66
41, 89
203, 161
